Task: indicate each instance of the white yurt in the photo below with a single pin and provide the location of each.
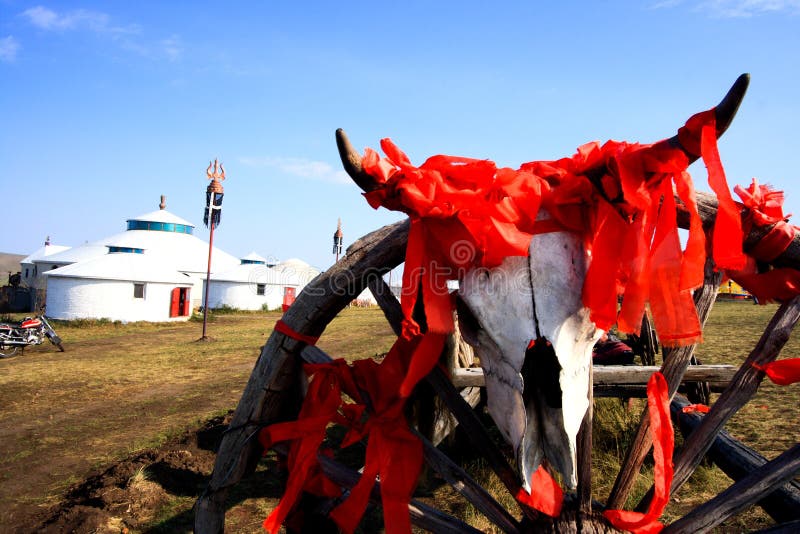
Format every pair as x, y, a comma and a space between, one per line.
146, 273
257, 284
119, 286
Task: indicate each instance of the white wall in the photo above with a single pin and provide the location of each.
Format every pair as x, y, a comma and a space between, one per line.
75, 298
242, 295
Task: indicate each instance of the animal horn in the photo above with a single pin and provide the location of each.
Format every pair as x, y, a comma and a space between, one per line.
351, 160
725, 112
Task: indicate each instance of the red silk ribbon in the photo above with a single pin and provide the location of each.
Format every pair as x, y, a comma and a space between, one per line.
663, 444
782, 372
287, 330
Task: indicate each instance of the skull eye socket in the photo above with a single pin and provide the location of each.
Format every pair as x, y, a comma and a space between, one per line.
467, 322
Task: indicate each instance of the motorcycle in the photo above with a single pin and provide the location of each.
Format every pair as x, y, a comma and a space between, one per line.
31, 331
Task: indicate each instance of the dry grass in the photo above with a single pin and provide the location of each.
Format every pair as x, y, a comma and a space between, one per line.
120, 388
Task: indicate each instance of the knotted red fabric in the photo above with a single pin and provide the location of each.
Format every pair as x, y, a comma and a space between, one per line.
393, 452
766, 209
663, 444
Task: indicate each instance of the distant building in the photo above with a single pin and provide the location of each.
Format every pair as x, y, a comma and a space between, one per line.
32, 269
153, 271
254, 284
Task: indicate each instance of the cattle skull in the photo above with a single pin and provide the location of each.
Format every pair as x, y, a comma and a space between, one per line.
534, 337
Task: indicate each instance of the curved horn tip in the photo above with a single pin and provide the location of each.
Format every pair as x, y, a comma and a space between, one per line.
729, 105
351, 161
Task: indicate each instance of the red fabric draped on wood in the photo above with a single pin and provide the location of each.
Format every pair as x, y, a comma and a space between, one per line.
766, 209
393, 452
663, 444
618, 196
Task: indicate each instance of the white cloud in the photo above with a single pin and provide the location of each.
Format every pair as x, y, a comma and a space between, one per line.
78, 19
736, 8
8, 49
302, 168
172, 48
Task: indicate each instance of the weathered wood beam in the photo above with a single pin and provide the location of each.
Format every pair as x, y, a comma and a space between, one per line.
639, 391
387, 302
462, 482
611, 375
737, 461
707, 206
740, 495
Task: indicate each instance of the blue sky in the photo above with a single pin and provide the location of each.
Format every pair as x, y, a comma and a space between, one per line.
105, 106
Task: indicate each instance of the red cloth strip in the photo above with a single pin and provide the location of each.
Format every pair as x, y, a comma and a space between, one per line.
663, 444
777, 240
286, 330
546, 495
548, 226
782, 372
695, 408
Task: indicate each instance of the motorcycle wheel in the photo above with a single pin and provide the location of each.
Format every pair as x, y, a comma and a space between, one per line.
8, 352
55, 340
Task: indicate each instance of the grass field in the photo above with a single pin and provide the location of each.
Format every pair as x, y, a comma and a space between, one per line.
120, 390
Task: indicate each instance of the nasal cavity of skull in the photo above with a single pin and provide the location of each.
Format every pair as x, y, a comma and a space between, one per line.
467, 323
540, 372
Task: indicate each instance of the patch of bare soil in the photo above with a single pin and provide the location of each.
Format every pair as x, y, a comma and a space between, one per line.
127, 496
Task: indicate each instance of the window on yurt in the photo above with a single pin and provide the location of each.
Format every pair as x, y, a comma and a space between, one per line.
260, 289
138, 291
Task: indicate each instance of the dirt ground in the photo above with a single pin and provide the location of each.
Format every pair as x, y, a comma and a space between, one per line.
120, 396
126, 496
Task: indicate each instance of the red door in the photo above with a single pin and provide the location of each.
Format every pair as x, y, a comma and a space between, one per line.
179, 302
288, 297
175, 302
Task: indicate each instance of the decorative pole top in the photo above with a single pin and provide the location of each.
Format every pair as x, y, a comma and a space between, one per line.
163, 204
339, 233
216, 176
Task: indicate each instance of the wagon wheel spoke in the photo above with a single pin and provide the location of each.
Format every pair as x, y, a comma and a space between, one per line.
422, 515
738, 461
387, 302
740, 390
675, 363
740, 495
468, 487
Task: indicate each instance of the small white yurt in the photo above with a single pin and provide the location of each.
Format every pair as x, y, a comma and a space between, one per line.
32, 266
256, 284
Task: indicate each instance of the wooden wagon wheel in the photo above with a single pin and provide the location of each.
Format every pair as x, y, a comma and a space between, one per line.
274, 389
